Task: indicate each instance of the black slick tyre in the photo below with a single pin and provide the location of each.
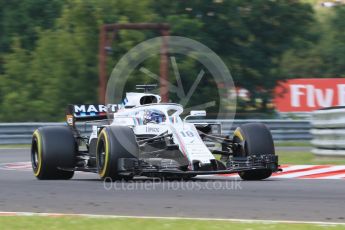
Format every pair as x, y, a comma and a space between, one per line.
52, 150
255, 139
115, 142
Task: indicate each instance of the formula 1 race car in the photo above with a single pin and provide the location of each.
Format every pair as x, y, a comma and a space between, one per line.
147, 138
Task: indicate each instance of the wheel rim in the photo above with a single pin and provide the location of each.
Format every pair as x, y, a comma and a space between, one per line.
242, 150
101, 156
35, 155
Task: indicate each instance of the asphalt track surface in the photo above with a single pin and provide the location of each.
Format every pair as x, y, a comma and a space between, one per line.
209, 197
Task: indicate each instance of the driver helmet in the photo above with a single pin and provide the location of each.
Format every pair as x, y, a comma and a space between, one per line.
154, 116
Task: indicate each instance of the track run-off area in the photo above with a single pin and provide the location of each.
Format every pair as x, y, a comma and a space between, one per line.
299, 193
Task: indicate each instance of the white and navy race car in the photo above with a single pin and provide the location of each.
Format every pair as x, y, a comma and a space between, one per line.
143, 137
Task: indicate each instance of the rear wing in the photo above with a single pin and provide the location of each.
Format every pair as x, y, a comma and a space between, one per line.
88, 112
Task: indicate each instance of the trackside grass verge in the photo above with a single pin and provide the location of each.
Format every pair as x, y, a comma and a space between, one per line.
292, 143
285, 157
276, 144
307, 158
82, 223
24, 146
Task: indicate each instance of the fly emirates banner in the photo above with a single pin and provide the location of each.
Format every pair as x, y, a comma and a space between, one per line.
308, 94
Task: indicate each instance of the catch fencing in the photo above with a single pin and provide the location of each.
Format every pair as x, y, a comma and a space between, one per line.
282, 130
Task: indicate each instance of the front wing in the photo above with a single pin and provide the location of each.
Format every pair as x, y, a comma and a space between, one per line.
132, 166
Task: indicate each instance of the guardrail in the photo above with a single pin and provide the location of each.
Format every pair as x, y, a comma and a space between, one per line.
20, 133
281, 129
328, 130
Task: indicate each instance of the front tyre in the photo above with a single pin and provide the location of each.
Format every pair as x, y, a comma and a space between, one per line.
114, 143
254, 139
52, 149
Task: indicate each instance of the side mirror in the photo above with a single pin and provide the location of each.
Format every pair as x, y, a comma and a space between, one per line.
196, 113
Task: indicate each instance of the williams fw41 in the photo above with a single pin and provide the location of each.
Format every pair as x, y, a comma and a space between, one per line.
147, 138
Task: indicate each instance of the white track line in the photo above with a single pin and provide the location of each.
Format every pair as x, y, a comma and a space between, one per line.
2, 213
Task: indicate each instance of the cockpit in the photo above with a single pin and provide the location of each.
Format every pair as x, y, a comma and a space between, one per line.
154, 116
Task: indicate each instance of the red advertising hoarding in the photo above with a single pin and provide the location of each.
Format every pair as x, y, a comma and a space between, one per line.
308, 94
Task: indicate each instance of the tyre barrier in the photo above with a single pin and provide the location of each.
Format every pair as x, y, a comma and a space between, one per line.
328, 131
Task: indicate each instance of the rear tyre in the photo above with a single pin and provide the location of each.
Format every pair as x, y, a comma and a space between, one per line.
255, 139
115, 142
52, 149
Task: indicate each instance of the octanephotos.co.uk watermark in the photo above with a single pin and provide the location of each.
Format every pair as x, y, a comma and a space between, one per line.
170, 185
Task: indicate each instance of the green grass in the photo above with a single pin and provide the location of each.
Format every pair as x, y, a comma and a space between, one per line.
35, 222
292, 144
285, 157
15, 146
277, 144
307, 158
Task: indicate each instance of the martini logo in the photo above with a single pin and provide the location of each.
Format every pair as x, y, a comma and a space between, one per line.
90, 108
95, 108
